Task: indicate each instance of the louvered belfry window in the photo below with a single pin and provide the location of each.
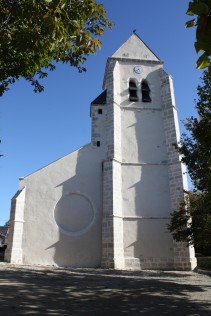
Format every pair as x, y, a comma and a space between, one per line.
133, 91
145, 92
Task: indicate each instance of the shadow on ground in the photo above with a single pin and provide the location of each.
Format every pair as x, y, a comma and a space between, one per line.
30, 291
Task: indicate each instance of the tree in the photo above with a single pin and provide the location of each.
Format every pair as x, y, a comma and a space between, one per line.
202, 10
196, 146
35, 34
196, 154
192, 222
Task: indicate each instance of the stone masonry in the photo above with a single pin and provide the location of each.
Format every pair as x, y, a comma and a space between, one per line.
183, 256
13, 252
108, 203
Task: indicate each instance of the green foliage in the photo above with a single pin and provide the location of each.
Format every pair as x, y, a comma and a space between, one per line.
204, 263
192, 222
196, 146
196, 154
35, 34
202, 9
180, 225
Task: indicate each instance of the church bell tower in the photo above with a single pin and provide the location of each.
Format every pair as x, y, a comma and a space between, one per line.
135, 123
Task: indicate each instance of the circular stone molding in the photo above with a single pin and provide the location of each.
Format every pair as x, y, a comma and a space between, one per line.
74, 214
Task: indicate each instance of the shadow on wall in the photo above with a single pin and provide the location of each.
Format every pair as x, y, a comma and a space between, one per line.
147, 185
79, 211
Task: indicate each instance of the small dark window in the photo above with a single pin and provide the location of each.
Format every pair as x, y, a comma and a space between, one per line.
100, 111
133, 91
145, 92
98, 143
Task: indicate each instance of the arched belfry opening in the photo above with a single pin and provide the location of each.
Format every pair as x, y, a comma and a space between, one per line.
145, 90
133, 90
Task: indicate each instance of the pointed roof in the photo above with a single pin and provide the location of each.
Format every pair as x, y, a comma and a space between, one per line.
101, 99
135, 48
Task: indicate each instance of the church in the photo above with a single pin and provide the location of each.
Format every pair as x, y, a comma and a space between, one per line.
108, 203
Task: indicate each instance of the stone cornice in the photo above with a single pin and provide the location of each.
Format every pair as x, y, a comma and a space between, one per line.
137, 60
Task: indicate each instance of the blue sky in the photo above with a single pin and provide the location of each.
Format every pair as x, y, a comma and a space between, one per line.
37, 129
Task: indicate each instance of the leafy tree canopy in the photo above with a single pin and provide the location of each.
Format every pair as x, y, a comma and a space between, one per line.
35, 34
196, 154
202, 10
192, 222
196, 146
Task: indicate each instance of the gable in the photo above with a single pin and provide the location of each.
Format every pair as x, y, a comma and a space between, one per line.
135, 48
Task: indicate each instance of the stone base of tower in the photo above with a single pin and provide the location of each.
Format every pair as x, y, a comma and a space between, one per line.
13, 253
181, 264
162, 256
116, 264
184, 257
152, 263
112, 246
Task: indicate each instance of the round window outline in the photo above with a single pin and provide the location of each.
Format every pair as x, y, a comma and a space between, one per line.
83, 230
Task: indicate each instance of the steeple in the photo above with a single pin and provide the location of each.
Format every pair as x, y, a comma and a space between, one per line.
134, 51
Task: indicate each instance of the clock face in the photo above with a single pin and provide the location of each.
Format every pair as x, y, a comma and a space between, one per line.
138, 69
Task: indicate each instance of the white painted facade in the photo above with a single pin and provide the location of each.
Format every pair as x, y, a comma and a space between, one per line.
108, 203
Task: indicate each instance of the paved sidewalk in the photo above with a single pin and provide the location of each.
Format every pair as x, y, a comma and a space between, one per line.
28, 290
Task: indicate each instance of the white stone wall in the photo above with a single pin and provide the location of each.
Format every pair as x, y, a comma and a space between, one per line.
112, 226
118, 216
150, 72
134, 48
14, 252
152, 179
63, 212
184, 257
145, 189
108, 203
